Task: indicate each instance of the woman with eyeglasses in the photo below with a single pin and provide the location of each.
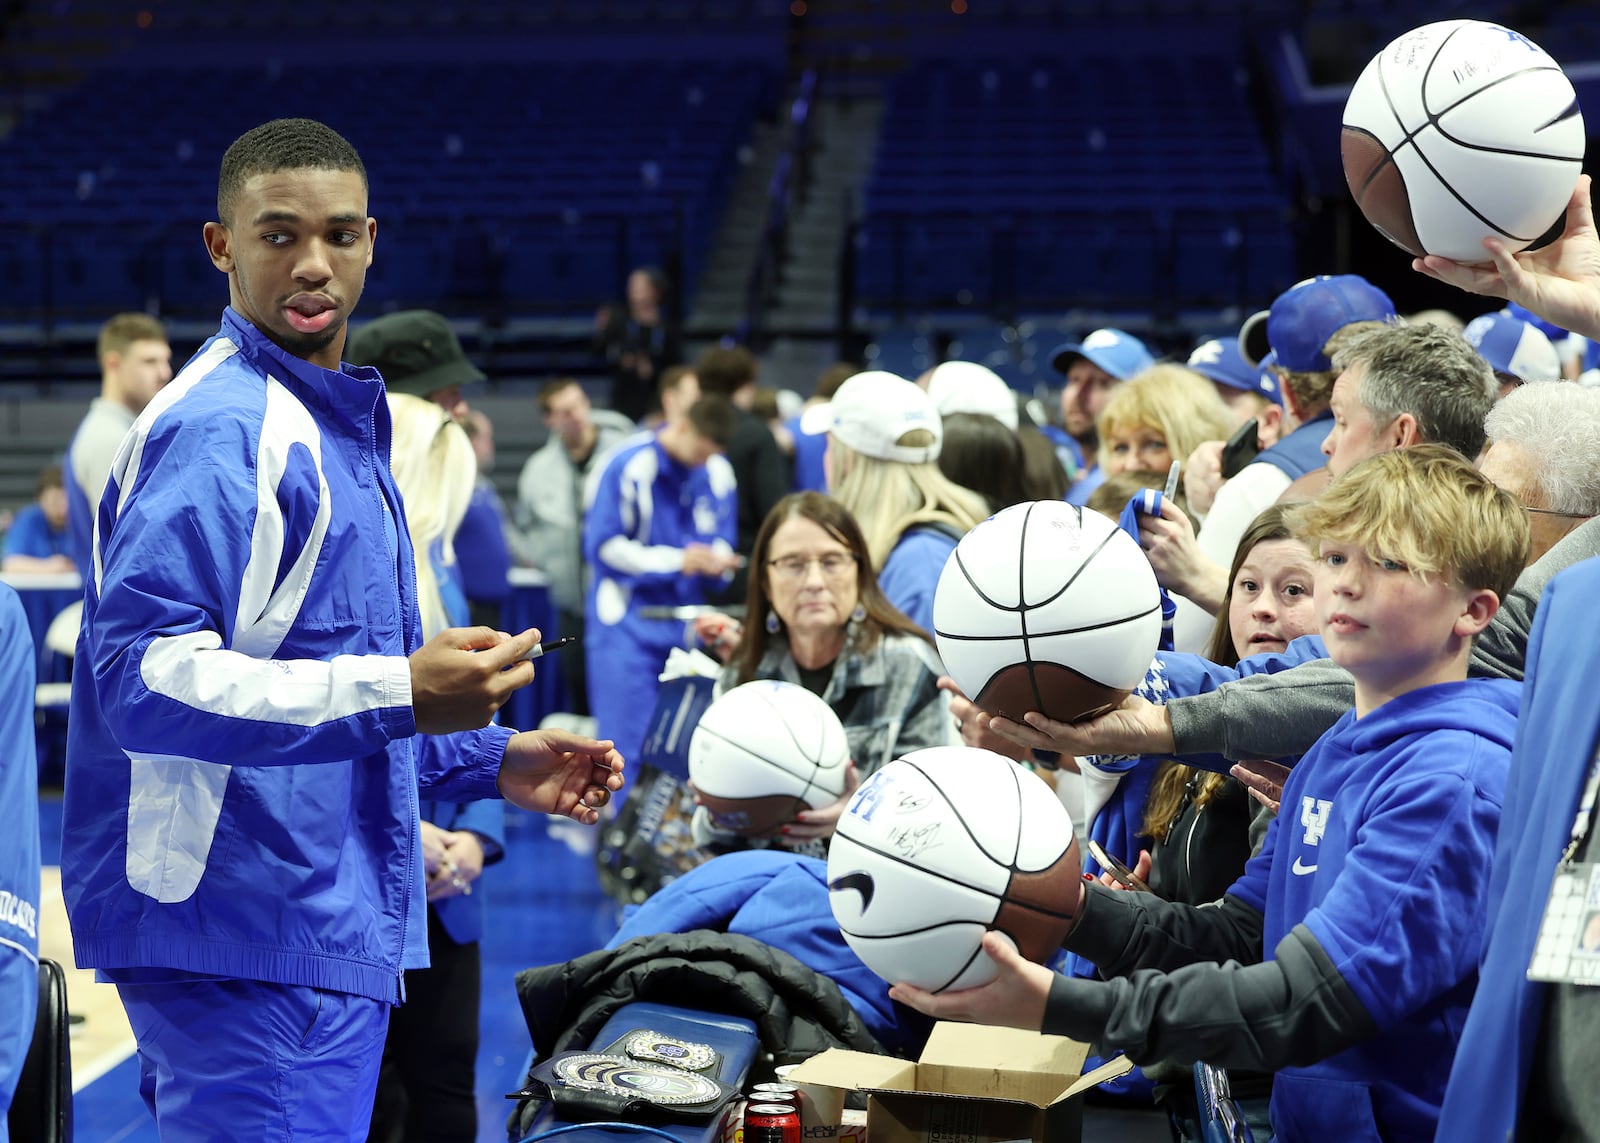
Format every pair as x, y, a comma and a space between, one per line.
815, 617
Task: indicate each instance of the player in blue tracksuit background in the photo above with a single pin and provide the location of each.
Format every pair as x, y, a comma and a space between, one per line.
1345, 957
240, 850
19, 849
659, 532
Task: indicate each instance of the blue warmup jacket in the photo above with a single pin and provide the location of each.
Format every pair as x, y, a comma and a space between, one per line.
19, 848
780, 899
1556, 740
646, 508
242, 760
910, 575
810, 467
1382, 850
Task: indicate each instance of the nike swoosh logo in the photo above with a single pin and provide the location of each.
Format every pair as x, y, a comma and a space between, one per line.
1300, 870
860, 882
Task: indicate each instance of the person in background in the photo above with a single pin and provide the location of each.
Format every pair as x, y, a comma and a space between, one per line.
485, 531
884, 437
549, 513
760, 470
1093, 368
815, 618
981, 454
19, 850
811, 447
135, 362
639, 340
427, 1082
419, 354
658, 533
1157, 417
37, 540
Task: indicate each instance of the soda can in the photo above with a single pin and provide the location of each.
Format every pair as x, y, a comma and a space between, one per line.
776, 1093
771, 1123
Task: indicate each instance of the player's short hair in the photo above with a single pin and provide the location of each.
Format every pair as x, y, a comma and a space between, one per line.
282, 145
1428, 372
123, 330
671, 377
1429, 508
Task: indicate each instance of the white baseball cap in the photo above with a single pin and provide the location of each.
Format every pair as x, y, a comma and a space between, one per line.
871, 412
967, 387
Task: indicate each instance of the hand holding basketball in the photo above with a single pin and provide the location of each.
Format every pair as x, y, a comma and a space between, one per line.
1560, 282
1138, 726
1015, 998
809, 825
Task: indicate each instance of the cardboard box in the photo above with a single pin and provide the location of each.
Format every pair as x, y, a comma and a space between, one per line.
973, 1084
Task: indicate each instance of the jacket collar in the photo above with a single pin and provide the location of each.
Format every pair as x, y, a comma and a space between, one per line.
853, 668
352, 394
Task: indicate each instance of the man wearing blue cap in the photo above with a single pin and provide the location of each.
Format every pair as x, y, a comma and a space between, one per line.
1092, 367
1296, 331
1251, 392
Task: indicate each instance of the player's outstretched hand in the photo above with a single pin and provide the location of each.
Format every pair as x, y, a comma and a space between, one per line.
557, 772
461, 676
1560, 283
1014, 999
1135, 727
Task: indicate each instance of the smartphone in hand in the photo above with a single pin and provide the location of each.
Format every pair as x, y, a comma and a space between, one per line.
1120, 873
1241, 448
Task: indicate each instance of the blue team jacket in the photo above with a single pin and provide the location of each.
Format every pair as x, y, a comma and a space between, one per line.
1556, 740
1382, 850
242, 763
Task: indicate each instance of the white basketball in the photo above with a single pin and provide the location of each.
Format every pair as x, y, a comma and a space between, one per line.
1047, 607
763, 752
1458, 130
939, 847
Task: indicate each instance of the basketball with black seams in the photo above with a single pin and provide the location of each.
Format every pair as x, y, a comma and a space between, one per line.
762, 753
1047, 607
1459, 130
941, 846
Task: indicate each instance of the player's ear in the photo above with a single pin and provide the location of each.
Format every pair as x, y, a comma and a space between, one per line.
219, 244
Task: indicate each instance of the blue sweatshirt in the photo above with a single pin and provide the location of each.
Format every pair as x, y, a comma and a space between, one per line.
1382, 851
19, 848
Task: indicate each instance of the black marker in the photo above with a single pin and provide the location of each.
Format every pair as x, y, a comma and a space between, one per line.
544, 649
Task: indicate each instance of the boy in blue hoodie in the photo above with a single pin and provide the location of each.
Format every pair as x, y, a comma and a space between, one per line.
1345, 957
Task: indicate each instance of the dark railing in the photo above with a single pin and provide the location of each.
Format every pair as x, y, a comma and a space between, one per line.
790, 180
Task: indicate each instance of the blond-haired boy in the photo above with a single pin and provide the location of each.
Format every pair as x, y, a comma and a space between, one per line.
1345, 956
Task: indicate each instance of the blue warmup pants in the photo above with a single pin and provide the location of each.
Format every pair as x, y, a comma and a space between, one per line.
623, 682
228, 1060
19, 997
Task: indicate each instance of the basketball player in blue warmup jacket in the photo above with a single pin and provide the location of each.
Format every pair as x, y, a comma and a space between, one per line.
1345, 957
19, 849
659, 532
241, 849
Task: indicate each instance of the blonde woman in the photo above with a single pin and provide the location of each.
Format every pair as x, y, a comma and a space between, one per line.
884, 436
1160, 416
429, 1074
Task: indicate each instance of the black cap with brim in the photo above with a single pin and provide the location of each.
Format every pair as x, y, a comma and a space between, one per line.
416, 351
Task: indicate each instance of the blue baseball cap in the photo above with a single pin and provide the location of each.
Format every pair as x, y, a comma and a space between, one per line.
1306, 315
1219, 359
1513, 346
1119, 354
